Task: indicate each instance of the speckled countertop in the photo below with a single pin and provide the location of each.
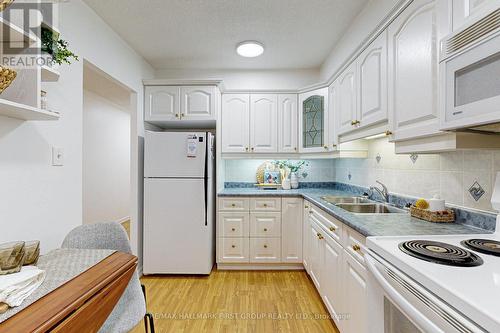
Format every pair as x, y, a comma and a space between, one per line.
368, 225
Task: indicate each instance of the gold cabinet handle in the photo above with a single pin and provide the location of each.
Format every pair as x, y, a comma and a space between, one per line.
176, 115
320, 236
233, 246
353, 122
182, 115
334, 145
356, 247
233, 205
233, 229
295, 148
265, 229
333, 228
265, 205
326, 147
387, 133
265, 246
306, 207
246, 148
252, 148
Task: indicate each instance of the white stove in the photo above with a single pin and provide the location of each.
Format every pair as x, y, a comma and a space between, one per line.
411, 292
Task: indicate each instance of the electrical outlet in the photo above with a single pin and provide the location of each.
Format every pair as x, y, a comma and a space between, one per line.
57, 156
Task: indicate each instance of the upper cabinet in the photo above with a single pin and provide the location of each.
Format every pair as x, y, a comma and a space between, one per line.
313, 123
413, 68
263, 123
346, 100
465, 10
162, 103
180, 106
235, 123
287, 123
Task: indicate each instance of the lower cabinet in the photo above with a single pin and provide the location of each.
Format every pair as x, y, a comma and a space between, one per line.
265, 250
354, 298
332, 288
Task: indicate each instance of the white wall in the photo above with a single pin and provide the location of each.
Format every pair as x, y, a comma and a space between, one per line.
248, 79
448, 174
106, 160
38, 201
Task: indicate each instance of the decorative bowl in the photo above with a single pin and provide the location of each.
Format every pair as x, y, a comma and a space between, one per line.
32, 249
7, 76
4, 4
11, 257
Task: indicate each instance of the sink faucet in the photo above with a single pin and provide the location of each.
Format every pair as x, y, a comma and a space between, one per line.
383, 192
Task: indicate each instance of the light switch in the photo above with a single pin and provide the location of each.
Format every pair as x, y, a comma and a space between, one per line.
57, 156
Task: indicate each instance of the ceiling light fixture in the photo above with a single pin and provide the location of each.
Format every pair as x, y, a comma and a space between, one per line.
250, 49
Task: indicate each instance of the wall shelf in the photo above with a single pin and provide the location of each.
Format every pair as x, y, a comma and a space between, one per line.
15, 33
24, 112
49, 74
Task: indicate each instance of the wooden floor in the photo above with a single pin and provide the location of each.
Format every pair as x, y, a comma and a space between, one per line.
236, 302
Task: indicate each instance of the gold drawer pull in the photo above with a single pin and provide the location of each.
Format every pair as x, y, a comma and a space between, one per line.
265, 205
265, 229
306, 207
333, 228
356, 247
233, 246
233, 229
265, 246
320, 236
233, 205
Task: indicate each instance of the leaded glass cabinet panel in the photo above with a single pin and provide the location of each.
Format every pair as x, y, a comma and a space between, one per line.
313, 122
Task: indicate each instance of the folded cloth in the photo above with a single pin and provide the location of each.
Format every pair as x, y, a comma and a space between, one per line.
14, 288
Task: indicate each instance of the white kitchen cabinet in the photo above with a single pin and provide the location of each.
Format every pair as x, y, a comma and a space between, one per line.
233, 250
347, 99
313, 121
235, 124
162, 103
372, 83
333, 137
355, 296
413, 68
198, 103
263, 123
287, 123
466, 10
291, 230
265, 250
234, 224
265, 224
306, 229
316, 253
332, 293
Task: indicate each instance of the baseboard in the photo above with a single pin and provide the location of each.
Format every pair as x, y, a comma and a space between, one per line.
261, 267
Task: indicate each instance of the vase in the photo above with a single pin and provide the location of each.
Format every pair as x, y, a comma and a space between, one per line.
294, 180
286, 184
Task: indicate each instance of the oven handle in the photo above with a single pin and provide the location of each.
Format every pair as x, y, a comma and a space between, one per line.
400, 301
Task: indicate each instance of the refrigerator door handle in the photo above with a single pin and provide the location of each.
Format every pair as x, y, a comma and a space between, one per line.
205, 179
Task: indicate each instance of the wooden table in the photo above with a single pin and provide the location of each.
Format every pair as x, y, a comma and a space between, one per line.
80, 305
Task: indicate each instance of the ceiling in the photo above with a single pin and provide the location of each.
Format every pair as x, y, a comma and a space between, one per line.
177, 34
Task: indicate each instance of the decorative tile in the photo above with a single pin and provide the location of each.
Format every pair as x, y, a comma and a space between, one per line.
414, 158
378, 158
349, 176
476, 191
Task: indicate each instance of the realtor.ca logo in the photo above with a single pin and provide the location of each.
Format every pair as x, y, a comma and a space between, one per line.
25, 32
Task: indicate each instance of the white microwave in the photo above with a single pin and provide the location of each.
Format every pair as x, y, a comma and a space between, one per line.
470, 76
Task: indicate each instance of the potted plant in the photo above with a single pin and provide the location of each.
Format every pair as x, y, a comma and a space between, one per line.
57, 48
294, 168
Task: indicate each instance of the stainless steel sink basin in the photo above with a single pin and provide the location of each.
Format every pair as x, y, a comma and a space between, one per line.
347, 200
371, 208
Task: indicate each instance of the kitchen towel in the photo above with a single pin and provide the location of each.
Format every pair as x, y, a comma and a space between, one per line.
16, 287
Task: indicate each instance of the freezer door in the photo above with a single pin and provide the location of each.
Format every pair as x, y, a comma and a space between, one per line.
176, 239
166, 155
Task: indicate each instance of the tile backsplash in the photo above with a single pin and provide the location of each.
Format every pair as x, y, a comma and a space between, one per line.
463, 178
244, 170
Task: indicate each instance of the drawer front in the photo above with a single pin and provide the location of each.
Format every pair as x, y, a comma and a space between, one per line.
265, 204
234, 224
233, 204
265, 224
265, 250
332, 226
233, 250
355, 244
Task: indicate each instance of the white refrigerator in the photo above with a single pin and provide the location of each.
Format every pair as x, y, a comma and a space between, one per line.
179, 203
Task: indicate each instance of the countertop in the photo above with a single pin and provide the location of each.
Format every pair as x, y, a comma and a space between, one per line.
367, 225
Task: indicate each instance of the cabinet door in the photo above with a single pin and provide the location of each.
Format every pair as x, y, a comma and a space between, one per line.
413, 68
332, 277
287, 123
235, 123
263, 123
306, 230
467, 10
234, 250
346, 99
313, 121
372, 75
291, 230
265, 224
198, 103
162, 103
316, 254
333, 137
355, 295
233, 224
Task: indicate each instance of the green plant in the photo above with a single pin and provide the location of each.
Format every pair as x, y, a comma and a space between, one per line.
56, 47
294, 167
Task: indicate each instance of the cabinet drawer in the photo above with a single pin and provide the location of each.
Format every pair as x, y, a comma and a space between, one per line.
265, 224
233, 204
265, 204
233, 250
332, 226
234, 224
355, 244
265, 250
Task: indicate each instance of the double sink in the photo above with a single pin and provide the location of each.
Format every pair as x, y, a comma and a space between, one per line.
360, 205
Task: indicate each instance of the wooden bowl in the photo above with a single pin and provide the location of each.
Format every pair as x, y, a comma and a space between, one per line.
4, 4
32, 249
7, 76
11, 257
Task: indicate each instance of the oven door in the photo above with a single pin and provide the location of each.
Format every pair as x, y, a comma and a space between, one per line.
471, 83
399, 304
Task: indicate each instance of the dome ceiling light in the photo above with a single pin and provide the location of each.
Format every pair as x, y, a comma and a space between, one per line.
250, 49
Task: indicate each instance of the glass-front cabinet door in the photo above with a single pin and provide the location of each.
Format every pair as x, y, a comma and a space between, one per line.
313, 124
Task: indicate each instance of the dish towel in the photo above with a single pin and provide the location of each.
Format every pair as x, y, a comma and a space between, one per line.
14, 288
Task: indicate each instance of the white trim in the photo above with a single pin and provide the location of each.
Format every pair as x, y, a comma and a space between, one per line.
184, 82
253, 267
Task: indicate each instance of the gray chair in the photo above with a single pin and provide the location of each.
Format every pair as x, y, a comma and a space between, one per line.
131, 308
